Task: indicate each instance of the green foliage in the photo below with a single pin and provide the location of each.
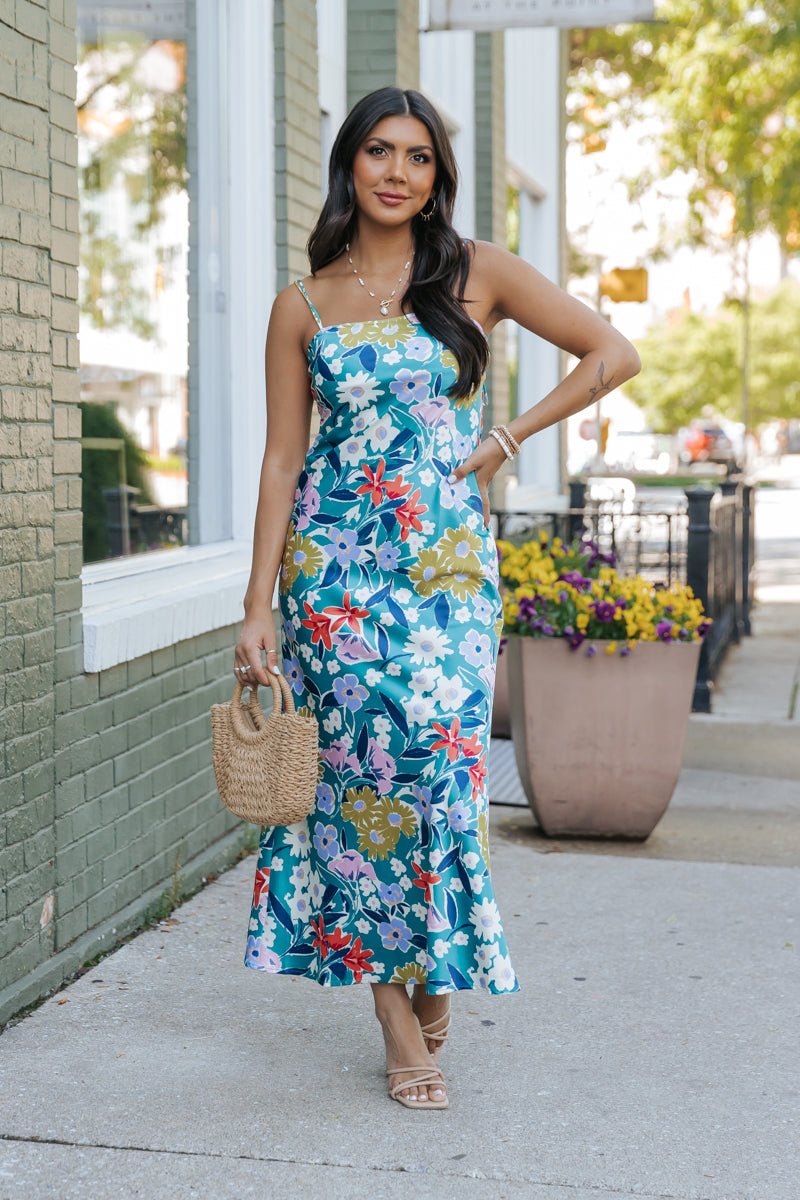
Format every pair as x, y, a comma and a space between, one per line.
724, 75
100, 469
691, 367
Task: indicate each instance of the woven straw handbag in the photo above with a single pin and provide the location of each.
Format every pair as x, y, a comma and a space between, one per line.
267, 767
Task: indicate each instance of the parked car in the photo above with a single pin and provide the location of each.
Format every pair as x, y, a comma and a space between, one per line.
705, 443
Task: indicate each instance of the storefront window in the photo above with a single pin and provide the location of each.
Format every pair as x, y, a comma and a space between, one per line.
132, 134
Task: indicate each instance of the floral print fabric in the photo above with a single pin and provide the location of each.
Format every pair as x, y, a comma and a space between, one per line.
391, 614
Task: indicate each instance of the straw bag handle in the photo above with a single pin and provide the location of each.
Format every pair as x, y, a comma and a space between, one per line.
280, 690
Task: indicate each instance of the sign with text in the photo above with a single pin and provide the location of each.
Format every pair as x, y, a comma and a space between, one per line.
503, 14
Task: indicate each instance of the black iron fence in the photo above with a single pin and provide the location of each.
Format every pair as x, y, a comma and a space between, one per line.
707, 540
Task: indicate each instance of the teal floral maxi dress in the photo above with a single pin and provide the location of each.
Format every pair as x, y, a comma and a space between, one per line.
391, 616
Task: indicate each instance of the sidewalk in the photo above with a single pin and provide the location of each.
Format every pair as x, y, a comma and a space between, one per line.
651, 1053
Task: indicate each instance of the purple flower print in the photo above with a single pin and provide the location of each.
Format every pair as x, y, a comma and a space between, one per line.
458, 817
430, 410
436, 922
395, 934
383, 765
293, 673
387, 557
325, 840
411, 385
309, 504
343, 546
419, 349
349, 692
476, 648
391, 893
259, 956
326, 798
352, 865
422, 802
339, 757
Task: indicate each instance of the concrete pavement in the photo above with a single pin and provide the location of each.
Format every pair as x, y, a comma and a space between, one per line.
651, 1052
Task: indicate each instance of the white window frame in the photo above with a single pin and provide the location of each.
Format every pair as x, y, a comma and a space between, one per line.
134, 605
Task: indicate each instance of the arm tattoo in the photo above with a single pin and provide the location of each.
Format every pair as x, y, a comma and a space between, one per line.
601, 387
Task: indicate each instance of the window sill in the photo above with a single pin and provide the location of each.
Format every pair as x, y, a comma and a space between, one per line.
132, 606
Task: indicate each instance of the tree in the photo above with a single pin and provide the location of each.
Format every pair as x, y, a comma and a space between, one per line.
691, 365
724, 78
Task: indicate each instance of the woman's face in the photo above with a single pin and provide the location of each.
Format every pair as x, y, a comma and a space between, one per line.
394, 170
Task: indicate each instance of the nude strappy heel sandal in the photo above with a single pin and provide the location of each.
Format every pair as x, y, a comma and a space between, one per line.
429, 1076
434, 1033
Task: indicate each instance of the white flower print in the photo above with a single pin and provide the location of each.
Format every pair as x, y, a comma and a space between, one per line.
427, 645
451, 693
352, 451
426, 477
297, 838
358, 390
440, 947
419, 709
501, 973
393, 668
425, 679
381, 433
392, 357
363, 926
470, 860
459, 938
486, 919
299, 905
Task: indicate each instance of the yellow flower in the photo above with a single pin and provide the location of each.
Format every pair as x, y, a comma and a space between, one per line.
582, 620
611, 648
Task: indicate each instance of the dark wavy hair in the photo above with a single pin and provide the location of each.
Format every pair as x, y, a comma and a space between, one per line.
441, 257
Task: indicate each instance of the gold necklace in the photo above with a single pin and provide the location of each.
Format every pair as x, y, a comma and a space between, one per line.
382, 304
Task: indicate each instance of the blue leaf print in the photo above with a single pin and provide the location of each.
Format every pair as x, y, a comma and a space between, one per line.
451, 908
383, 642
457, 978
369, 358
396, 715
442, 611
281, 914
397, 612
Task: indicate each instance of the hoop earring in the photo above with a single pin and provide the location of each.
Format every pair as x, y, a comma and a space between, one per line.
426, 216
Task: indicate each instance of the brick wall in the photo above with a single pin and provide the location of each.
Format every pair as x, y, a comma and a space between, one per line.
297, 135
32, 225
108, 794
382, 45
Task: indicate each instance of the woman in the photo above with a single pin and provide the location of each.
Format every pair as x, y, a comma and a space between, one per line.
390, 605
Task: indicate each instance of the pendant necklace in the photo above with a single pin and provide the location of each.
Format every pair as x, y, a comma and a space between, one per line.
382, 304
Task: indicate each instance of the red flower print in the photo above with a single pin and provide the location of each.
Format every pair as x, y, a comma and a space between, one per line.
477, 774
375, 484
424, 880
347, 614
380, 488
471, 746
408, 514
395, 488
319, 624
356, 960
324, 941
450, 739
261, 885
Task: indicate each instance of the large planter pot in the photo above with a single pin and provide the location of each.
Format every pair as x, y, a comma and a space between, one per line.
599, 741
501, 713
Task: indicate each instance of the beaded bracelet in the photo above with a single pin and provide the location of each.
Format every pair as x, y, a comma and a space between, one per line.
505, 439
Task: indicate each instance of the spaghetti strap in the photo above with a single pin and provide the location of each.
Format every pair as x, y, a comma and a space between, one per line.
310, 302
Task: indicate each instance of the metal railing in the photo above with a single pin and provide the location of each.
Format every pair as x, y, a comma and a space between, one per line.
706, 541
